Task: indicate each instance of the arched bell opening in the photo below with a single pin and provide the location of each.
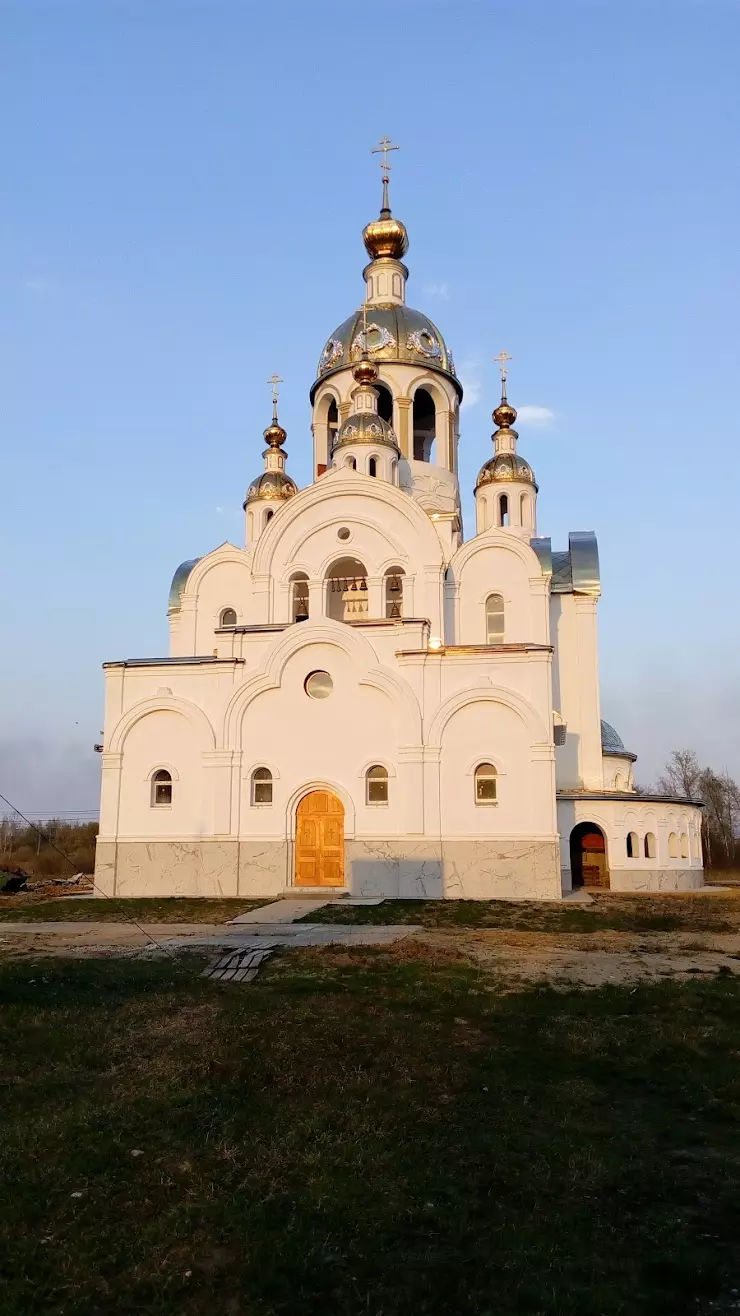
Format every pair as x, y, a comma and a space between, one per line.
424, 426
588, 859
299, 596
385, 402
346, 590
394, 593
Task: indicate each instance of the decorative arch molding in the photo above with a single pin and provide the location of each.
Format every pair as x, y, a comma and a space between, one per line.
538, 733
203, 729
161, 766
377, 763
227, 552
493, 538
486, 757
354, 645
436, 390
342, 485
335, 788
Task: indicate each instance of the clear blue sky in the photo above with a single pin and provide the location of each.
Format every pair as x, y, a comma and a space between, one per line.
185, 182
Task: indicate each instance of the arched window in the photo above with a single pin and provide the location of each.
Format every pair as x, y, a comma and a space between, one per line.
228, 617
262, 786
269, 514
523, 509
351, 463
494, 619
673, 846
485, 784
299, 596
376, 785
684, 846
633, 845
503, 509
394, 592
372, 466
161, 788
482, 509
425, 425
650, 850
394, 471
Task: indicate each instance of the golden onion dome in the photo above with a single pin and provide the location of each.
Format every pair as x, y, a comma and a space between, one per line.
394, 333
506, 466
275, 435
385, 237
366, 427
366, 371
504, 415
275, 485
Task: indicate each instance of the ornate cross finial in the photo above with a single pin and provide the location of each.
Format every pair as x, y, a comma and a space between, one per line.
502, 359
384, 146
275, 380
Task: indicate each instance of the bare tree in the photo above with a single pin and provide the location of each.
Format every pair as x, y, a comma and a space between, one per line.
721, 822
681, 775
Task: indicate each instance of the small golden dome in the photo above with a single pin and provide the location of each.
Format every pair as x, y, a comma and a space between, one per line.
365, 372
275, 485
504, 415
385, 237
504, 467
366, 427
275, 435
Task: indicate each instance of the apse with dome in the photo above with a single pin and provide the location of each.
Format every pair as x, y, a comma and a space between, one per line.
359, 699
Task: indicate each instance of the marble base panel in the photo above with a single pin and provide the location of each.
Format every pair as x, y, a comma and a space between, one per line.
191, 868
453, 869
657, 879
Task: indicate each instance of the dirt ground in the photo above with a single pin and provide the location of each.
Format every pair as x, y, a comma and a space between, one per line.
513, 959
592, 959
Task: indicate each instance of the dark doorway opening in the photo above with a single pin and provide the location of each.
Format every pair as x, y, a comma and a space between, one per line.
588, 863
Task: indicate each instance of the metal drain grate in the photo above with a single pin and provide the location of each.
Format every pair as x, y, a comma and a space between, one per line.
238, 965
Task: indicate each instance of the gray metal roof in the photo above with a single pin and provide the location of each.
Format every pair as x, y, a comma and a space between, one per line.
575, 571
612, 743
179, 580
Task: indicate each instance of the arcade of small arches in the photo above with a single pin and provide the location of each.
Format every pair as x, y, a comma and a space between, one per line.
588, 851
499, 510
346, 598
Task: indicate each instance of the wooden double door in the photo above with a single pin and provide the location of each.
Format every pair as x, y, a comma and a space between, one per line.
319, 843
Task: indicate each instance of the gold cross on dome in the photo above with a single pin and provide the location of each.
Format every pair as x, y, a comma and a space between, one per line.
502, 359
275, 380
384, 146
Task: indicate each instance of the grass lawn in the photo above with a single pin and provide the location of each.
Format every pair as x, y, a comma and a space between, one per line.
652, 913
169, 910
365, 1133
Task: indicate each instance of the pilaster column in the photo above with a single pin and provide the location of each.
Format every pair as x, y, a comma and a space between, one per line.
218, 765
110, 793
403, 407
410, 760
375, 597
315, 599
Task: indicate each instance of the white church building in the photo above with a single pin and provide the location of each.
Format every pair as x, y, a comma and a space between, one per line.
359, 698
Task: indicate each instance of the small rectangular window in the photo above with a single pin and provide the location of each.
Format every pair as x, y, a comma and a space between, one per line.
377, 791
263, 792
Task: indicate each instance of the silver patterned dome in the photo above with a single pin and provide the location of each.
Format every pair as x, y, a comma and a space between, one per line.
394, 333
612, 743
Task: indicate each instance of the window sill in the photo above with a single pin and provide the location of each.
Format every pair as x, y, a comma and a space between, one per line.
486, 804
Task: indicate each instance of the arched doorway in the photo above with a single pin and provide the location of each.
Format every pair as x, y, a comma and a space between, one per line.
588, 863
319, 841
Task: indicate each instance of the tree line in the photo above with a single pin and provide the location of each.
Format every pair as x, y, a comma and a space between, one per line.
38, 851
719, 793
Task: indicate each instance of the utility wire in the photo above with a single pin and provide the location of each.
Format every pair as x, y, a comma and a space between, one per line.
72, 864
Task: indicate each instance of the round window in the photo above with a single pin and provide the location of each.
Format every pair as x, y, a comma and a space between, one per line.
343, 533
318, 685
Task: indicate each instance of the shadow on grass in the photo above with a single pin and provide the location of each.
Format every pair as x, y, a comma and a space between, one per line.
364, 1131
